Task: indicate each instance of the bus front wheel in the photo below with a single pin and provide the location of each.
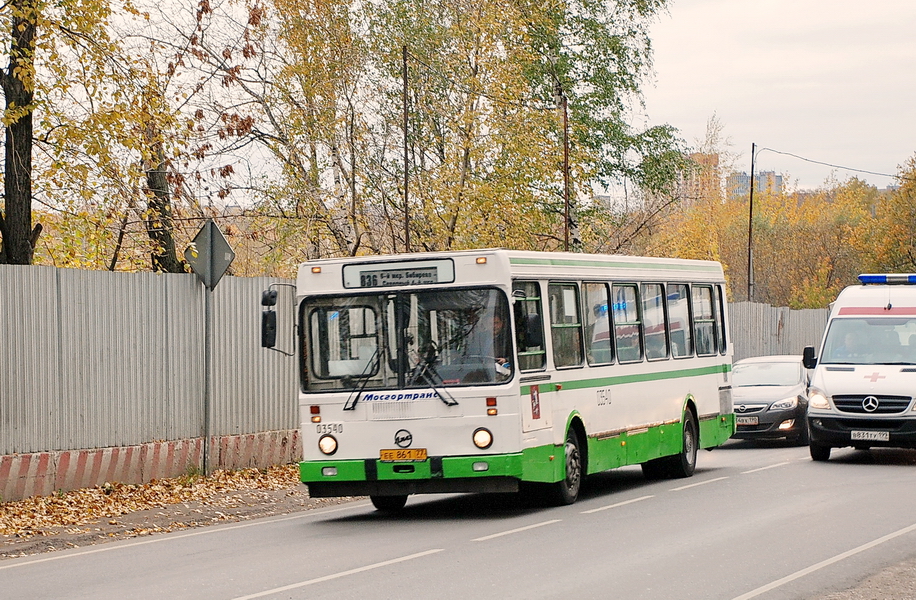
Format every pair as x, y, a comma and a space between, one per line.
685, 463
566, 490
388, 503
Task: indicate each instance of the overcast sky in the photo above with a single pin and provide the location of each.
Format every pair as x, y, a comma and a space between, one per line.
832, 81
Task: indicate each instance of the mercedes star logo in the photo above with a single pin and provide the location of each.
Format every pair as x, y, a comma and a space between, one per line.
870, 404
403, 438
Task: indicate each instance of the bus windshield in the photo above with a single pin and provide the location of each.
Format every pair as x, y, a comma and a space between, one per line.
404, 340
870, 341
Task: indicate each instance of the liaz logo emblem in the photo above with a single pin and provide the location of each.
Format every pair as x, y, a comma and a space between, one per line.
403, 438
870, 404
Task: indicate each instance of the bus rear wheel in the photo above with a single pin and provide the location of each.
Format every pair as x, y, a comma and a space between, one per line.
388, 503
566, 490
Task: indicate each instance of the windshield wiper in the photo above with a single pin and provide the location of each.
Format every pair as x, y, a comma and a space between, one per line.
426, 371
370, 365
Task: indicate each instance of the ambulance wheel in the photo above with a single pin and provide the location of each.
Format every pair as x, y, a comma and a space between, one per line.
819, 453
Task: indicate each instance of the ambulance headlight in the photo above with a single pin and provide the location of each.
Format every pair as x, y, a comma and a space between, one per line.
327, 444
818, 399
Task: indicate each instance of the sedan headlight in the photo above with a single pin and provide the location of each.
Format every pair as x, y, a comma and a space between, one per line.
785, 404
818, 399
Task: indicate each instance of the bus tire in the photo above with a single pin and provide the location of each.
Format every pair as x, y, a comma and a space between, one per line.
388, 503
566, 491
684, 464
655, 469
818, 452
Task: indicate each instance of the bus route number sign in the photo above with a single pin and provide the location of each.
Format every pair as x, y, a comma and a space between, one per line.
398, 277
404, 273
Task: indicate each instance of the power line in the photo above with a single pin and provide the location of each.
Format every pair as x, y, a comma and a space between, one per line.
817, 162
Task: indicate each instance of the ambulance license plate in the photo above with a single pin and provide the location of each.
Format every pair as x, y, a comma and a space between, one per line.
871, 436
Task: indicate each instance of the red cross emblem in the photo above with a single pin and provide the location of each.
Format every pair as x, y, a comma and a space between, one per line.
874, 377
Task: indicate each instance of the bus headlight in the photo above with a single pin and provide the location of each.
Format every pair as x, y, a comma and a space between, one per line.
327, 444
818, 399
483, 439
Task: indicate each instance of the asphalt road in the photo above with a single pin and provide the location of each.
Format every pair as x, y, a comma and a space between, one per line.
753, 522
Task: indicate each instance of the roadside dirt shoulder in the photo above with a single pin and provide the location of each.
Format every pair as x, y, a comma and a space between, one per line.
119, 511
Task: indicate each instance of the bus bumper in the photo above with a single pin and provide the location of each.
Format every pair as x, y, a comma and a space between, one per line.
372, 477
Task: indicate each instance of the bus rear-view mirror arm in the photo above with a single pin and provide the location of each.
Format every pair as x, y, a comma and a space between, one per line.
269, 319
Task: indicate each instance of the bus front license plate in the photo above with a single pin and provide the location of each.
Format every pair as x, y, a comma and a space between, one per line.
746, 420
403, 455
871, 436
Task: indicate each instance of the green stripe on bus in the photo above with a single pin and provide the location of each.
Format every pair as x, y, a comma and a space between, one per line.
542, 464
565, 262
621, 379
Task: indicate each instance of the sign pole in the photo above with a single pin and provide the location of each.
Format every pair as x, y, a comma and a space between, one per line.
209, 256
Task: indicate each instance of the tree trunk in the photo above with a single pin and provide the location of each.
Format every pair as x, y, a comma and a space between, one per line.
19, 238
159, 225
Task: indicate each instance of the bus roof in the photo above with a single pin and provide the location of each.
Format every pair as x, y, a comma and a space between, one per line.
496, 265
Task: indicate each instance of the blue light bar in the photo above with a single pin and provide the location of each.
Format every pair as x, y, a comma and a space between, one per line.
889, 278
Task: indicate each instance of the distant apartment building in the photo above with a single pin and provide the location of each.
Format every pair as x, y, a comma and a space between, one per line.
703, 180
738, 185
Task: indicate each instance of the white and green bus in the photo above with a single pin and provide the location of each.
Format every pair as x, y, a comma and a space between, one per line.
494, 370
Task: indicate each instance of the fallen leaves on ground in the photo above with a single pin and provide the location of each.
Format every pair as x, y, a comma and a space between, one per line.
39, 514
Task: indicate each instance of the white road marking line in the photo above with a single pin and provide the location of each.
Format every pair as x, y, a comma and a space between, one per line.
765, 468
625, 502
692, 485
825, 563
511, 531
167, 538
293, 586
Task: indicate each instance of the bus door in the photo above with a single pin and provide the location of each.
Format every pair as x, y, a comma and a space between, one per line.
537, 390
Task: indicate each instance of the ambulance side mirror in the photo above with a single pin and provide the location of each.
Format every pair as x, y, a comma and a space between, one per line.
809, 360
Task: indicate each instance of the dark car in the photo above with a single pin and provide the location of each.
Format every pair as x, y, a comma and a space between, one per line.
770, 395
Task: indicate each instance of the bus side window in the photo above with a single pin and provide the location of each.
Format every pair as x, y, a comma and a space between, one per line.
679, 320
720, 319
565, 324
529, 327
704, 325
627, 326
653, 314
598, 346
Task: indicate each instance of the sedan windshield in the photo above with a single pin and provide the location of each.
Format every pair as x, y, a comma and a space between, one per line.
426, 339
864, 341
767, 373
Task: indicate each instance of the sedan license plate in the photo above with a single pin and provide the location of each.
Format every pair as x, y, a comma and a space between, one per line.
871, 436
746, 420
403, 455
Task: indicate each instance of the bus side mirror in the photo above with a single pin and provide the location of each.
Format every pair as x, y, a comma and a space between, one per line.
269, 298
268, 328
808, 359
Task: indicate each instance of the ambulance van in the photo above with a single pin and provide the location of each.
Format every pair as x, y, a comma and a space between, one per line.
864, 379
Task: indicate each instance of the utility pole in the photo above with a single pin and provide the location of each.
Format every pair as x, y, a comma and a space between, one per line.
562, 103
406, 160
750, 233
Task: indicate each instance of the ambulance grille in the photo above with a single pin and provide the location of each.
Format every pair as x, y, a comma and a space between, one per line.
887, 405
